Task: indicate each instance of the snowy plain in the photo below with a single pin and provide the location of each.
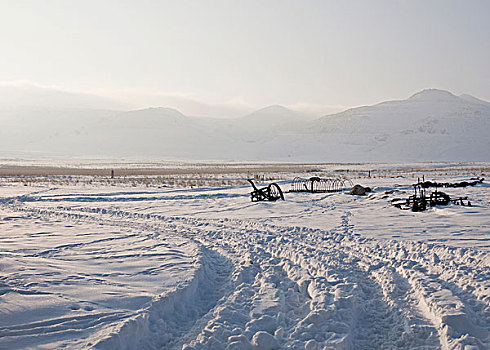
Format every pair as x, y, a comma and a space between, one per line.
91, 262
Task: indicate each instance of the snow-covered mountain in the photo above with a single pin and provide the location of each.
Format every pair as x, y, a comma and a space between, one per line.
430, 125
272, 116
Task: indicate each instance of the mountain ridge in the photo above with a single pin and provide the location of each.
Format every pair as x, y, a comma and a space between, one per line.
433, 94
429, 125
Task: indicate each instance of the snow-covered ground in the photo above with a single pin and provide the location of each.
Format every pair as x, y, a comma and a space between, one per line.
156, 268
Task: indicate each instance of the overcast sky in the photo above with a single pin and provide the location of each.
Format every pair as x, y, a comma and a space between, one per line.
235, 56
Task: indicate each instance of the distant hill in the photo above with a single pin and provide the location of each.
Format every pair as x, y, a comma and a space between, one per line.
430, 125
271, 116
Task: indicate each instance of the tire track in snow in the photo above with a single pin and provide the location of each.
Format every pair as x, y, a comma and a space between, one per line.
263, 296
161, 324
68, 326
338, 327
171, 316
342, 303
392, 309
264, 302
361, 276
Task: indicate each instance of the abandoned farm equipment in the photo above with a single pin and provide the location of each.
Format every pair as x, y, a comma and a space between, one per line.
319, 185
270, 193
422, 199
472, 182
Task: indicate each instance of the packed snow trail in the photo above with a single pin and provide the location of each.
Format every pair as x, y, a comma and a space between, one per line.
170, 316
265, 286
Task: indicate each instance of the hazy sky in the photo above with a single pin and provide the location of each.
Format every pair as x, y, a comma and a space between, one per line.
239, 55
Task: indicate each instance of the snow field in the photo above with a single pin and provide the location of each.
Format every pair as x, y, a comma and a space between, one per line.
65, 283
307, 273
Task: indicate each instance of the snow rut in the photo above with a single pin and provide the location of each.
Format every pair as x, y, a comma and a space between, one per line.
171, 316
59, 328
296, 287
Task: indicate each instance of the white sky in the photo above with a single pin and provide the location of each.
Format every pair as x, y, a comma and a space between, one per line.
235, 56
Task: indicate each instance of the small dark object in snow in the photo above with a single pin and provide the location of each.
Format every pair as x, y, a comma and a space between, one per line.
270, 193
358, 190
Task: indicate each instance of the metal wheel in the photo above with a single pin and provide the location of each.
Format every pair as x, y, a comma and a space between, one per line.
274, 192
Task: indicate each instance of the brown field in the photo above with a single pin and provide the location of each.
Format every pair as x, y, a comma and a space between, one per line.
220, 174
